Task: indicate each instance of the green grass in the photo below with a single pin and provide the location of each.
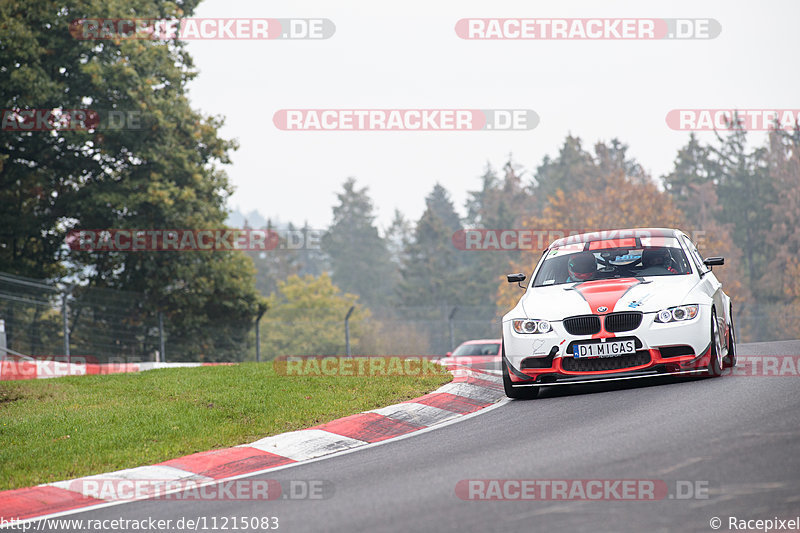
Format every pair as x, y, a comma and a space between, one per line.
56, 429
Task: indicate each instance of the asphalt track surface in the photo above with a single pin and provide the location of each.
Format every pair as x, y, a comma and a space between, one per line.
739, 436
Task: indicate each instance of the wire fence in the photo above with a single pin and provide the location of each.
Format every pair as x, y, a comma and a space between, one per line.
47, 319
56, 319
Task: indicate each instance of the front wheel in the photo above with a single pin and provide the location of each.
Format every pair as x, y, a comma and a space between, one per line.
522, 393
714, 367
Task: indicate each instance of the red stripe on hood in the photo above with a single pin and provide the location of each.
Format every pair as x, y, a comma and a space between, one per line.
604, 293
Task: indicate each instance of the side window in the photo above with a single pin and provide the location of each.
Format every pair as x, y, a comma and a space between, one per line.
696, 259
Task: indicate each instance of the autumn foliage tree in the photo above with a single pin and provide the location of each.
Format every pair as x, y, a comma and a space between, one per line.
618, 203
781, 279
306, 317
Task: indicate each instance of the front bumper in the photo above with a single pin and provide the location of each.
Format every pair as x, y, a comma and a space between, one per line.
555, 380
661, 349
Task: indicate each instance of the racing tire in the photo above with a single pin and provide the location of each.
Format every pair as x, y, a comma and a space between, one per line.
522, 393
715, 363
730, 360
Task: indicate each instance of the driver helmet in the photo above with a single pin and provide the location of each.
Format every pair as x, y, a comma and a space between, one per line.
582, 266
656, 257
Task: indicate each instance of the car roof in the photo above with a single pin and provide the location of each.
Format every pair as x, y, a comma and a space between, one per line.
604, 235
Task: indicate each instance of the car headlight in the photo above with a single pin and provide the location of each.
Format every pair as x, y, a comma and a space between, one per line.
527, 326
680, 313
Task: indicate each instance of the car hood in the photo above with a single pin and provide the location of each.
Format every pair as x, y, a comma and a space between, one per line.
650, 294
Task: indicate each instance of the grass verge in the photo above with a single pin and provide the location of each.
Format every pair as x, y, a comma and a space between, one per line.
56, 429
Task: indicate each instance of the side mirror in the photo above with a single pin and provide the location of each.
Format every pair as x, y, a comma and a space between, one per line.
517, 278
714, 261
449, 354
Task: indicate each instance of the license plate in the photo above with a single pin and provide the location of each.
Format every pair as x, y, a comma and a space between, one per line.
604, 349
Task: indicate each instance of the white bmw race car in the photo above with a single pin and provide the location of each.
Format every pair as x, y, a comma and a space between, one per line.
617, 305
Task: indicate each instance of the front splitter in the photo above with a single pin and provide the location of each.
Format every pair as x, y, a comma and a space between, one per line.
576, 380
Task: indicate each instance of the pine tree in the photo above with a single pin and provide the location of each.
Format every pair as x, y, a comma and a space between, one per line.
433, 272
358, 255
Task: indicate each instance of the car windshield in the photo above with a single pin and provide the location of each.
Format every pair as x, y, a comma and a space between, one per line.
578, 262
477, 349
